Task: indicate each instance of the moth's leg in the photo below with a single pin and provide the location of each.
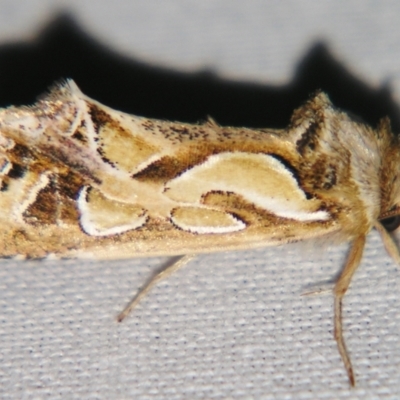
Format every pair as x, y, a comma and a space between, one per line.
352, 262
388, 242
319, 289
165, 273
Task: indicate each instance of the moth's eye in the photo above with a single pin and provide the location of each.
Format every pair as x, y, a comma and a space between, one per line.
392, 223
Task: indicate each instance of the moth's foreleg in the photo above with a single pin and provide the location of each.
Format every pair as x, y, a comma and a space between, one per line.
352, 262
388, 242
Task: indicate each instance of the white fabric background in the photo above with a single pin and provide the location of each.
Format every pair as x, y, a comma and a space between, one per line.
228, 326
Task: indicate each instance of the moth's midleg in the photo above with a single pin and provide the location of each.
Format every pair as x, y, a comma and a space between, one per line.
165, 273
352, 262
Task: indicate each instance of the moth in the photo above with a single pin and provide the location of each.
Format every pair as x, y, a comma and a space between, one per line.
78, 179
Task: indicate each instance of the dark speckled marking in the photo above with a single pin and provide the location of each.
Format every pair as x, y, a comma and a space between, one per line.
148, 125
308, 140
98, 116
104, 158
324, 175
330, 177
17, 171
4, 186
182, 130
80, 134
21, 152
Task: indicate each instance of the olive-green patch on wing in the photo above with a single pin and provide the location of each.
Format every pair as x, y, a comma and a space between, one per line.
259, 178
101, 216
123, 149
204, 220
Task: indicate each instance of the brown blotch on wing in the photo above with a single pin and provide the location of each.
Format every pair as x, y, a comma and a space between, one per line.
17, 171
56, 202
236, 204
260, 220
164, 169
99, 116
53, 203
44, 209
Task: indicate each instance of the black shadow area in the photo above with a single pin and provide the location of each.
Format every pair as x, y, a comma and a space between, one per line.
63, 50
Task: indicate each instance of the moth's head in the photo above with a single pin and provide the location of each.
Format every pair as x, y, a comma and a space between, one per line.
389, 176
389, 145
390, 210
391, 223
